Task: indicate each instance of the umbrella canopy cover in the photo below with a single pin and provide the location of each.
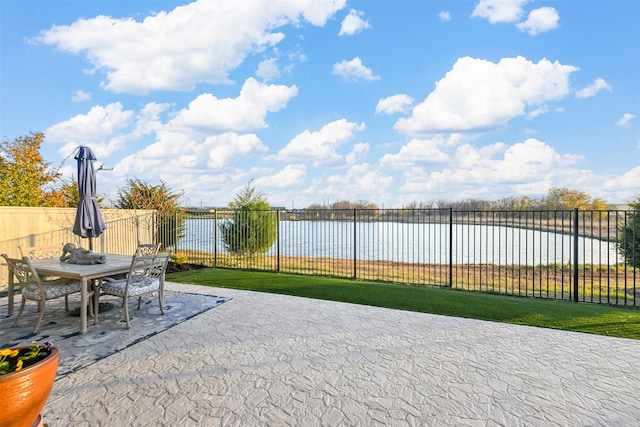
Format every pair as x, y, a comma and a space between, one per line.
89, 222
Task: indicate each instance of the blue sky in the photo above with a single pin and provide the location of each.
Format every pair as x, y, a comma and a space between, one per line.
390, 102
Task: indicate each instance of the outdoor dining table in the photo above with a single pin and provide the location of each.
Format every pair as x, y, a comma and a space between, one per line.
115, 264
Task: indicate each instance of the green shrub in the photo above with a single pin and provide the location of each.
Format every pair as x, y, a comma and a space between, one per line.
253, 227
629, 236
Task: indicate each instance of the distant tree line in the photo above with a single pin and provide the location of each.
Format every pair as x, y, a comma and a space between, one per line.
556, 199
342, 209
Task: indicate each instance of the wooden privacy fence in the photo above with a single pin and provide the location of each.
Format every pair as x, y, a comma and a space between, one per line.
29, 227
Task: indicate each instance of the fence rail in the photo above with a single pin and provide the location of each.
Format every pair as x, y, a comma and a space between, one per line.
566, 254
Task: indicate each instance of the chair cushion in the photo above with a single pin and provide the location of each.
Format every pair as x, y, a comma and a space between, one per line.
52, 289
141, 285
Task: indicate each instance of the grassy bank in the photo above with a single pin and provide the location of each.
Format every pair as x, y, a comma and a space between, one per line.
596, 283
596, 319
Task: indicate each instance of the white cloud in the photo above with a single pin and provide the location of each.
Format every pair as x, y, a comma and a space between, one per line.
540, 20
290, 176
595, 87
203, 136
506, 11
320, 147
444, 16
230, 147
190, 156
532, 114
625, 120
499, 10
80, 96
200, 42
146, 162
358, 183
618, 188
529, 164
202, 190
353, 23
417, 151
246, 112
358, 153
468, 157
394, 104
148, 119
268, 70
353, 70
100, 124
477, 95
532, 159
107, 130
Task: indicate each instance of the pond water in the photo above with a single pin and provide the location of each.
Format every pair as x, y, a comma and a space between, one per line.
415, 243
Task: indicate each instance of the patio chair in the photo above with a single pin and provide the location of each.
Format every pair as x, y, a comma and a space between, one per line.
145, 276
32, 287
47, 251
147, 248
141, 249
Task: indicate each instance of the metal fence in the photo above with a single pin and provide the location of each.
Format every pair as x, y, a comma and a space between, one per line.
566, 254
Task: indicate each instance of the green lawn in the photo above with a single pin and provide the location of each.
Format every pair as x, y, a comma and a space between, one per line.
582, 317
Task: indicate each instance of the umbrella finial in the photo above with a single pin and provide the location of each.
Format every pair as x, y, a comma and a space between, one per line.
84, 152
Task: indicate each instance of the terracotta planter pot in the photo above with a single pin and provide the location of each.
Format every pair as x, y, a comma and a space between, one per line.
23, 394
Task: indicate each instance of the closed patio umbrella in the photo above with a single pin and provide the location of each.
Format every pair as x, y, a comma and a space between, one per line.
89, 222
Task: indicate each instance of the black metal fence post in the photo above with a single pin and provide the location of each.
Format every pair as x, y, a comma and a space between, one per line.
575, 255
450, 247
355, 244
215, 238
278, 239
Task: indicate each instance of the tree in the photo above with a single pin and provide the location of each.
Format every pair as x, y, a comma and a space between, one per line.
253, 227
598, 205
442, 203
316, 207
565, 198
140, 195
515, 203
24, 176
343, 205
629, 236
69, 195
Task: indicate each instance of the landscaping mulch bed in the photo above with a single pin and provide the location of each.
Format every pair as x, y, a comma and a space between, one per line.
173, 267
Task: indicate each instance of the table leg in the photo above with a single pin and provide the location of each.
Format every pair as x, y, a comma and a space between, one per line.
83, 306
95, 284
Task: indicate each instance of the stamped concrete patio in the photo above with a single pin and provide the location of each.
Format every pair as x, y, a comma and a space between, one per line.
264, 359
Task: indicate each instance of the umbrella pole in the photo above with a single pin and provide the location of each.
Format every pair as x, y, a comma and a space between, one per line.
94, 285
